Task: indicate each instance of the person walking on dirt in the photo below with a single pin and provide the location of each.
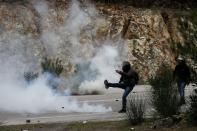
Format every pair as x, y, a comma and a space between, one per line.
129, 78
182, 76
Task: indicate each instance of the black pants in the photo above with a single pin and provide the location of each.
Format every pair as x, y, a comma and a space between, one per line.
127, 89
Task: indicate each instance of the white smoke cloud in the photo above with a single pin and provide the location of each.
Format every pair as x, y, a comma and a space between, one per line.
16, 96
41, 7
77, 19
93, 63
103, 65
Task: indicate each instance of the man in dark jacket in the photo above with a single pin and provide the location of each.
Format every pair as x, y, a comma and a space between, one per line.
127, 82
182, 76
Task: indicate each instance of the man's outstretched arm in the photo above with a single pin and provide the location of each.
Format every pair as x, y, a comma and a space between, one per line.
121, 73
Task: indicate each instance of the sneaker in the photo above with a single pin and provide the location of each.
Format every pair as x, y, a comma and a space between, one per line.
106, 83
122, 111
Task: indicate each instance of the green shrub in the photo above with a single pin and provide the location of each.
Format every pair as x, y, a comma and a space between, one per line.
164, 93
135, 109
53, 67
192, 112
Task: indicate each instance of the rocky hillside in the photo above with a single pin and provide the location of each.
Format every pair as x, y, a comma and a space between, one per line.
43, 29
170, 4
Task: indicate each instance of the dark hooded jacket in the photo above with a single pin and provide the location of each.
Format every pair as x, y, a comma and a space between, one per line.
130, 77
182, 72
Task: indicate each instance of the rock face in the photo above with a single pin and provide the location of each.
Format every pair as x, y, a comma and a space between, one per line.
42, 28
147, 37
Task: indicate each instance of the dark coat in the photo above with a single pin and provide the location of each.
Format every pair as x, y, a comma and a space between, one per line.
182, 72
128, 78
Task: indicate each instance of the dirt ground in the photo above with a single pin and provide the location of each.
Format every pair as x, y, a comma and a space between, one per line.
97, 126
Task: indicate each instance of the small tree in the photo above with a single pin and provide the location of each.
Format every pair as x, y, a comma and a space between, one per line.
164, 93
135, 109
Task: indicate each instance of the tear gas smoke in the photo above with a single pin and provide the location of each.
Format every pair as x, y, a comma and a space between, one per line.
102, 66
38, 97
93, 63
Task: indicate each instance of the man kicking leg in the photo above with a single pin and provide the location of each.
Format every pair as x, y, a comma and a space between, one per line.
127, 82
